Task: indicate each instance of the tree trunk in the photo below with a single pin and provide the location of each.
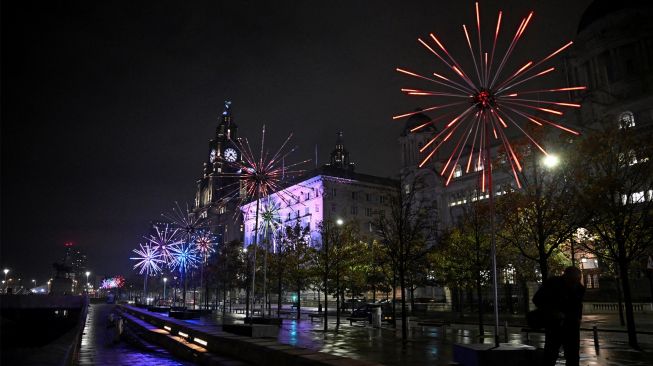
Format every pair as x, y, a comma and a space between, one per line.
326, 305
224, 300
402, 284
279, 293
337, 299
622, 320
394, 299
479, 295
544, 266
299, 301
630, 318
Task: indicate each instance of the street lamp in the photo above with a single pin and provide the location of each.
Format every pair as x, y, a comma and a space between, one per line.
6, 271
339, 222
165, 279
551, 161
87, 274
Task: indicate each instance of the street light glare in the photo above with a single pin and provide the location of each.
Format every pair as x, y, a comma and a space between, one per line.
87, 273
551, 161
339, 222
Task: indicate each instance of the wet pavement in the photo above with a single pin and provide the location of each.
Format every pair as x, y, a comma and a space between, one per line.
433, 345
99, 348
426, 345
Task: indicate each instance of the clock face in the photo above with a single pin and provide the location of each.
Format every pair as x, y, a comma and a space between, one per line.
212, 155
230, 155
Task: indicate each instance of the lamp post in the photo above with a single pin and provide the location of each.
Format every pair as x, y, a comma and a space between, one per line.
87, 274
6, 270
165, 279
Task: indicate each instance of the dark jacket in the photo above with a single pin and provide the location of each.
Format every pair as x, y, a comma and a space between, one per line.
560, 301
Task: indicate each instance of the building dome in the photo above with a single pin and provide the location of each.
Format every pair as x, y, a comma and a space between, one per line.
417, 120
601, 8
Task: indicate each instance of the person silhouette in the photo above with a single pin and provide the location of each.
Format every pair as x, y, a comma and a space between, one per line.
561, 300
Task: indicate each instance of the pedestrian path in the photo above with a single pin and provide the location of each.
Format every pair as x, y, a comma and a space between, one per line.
99, 347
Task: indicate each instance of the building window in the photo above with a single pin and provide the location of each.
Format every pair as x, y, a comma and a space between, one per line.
369, 212
354, 196
317, 208
381, 199
368, 197
354, 210
458, 171
626, 120
333, 207
333, 192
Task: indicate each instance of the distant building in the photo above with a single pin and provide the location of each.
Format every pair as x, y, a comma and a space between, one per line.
214, 186
332, 192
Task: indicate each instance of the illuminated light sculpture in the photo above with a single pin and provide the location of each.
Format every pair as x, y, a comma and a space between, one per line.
164, 240
112, 283
475, 109
185, 257
188, 226
148, 263
258, 177
271, 222
204, 245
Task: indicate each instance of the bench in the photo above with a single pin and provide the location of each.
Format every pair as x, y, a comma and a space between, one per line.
353, 319
316, 315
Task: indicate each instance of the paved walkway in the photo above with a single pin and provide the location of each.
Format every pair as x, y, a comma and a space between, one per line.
98, 346
429, 345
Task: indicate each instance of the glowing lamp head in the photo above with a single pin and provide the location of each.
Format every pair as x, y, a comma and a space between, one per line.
87, 273
5, 271
339, 222
165, 279
551, 161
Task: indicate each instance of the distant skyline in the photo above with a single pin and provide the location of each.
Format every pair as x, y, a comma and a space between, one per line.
108, 107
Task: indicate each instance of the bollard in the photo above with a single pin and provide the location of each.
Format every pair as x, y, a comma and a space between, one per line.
505, 331
596, 339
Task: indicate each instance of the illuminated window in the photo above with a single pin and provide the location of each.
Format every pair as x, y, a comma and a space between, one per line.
626, 120
458, 172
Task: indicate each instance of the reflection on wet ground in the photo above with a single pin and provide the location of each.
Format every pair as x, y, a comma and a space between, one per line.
433, 346
98, 346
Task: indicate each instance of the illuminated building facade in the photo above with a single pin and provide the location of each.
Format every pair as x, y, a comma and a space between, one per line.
332, 192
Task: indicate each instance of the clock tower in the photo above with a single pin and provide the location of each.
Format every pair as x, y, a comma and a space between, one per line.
213, 186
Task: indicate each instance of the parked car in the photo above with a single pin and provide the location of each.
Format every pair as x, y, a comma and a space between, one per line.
350, 304
365, 311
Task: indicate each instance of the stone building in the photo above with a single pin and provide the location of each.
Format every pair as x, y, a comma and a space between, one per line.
333, 192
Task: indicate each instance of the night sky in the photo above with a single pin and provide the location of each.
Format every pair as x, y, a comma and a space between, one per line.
107, 107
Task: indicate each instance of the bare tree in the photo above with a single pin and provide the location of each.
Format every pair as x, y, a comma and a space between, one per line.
404, 232
614, 183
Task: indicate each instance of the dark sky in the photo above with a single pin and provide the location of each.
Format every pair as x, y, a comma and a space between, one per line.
107, 106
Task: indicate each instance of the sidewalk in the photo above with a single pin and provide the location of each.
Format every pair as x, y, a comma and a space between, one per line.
433, 345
